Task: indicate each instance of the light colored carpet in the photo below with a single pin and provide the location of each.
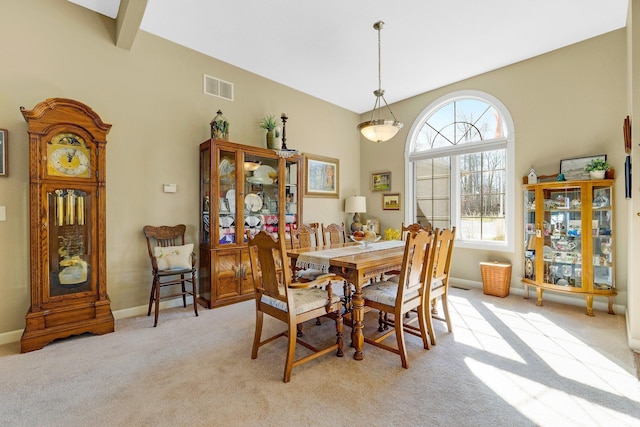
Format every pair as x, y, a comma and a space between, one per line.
508, 363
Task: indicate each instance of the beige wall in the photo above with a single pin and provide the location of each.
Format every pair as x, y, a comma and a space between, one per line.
152, 95
568, 103
564, 104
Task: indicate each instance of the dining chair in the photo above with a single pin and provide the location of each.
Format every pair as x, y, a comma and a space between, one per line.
406, 230
399, 298
293, 303
173, 263
334, 233
439, 286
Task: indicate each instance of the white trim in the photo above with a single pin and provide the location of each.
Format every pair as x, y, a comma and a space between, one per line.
141, 310
509, 145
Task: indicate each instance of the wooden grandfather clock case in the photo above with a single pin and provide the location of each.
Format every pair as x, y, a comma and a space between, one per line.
67, 141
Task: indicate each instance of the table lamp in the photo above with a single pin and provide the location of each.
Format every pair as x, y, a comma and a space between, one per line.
357, 205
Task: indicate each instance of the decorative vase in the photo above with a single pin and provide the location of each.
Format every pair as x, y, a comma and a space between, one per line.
271, 139
597, 174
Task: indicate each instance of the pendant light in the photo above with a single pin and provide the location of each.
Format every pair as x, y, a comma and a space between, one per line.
379, 129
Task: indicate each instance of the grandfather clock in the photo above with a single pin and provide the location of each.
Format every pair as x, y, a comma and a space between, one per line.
67, 200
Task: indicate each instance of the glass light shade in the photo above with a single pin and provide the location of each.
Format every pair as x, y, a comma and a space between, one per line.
379, 130
251, 166
355, 204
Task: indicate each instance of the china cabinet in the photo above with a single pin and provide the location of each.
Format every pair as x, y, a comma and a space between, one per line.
241, 188
67, 199
569, 239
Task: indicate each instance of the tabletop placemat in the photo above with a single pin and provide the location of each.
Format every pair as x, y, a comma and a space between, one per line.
319, 260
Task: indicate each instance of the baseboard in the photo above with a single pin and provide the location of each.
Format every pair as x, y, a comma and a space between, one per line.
634, 343
141, 310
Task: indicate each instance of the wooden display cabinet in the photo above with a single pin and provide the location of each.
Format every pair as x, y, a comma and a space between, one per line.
241, 188
67, 198
570, 239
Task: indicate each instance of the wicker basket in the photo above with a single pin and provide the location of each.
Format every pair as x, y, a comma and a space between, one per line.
496, 278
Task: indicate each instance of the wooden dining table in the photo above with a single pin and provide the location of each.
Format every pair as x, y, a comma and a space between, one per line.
358, 269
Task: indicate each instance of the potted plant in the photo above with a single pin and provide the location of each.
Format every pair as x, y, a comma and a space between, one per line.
597, 168
269, 123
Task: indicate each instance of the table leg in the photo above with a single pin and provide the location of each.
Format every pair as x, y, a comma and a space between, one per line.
357, 315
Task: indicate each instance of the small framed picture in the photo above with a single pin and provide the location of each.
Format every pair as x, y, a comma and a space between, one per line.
381, 181
4, 153
391, 202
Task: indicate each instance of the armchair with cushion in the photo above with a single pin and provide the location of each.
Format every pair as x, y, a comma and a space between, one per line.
439, 286
399, 298
173, 263
292, 303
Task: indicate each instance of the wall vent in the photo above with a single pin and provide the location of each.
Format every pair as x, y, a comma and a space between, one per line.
215, 87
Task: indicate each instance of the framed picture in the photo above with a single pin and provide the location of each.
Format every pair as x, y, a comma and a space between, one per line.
381, 181
574, 168
391, 202
4, 153
321, 176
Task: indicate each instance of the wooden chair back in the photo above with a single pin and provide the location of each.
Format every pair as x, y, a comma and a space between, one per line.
163, 235
416, 260
438, 286
267, 255
406, 229
305, 236
333, 234
443, 253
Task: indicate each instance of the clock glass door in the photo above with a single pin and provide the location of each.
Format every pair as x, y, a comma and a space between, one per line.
70, 245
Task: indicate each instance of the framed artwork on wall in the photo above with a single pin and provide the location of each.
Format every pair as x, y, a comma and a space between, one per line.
574, 168
4, 154
381, 181
391, 202
321, 176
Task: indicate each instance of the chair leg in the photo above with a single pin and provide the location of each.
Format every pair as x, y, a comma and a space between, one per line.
299, 329
434, 306
291, 352
184, 290
339, 325
429, 318
257, 335
157, 298
423, 327
152, 295
399, 327
445, 308
193, 286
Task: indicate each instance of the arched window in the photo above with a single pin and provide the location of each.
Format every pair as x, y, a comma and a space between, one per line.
459, 162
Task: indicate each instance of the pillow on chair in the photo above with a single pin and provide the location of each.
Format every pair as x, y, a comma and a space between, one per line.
170, 257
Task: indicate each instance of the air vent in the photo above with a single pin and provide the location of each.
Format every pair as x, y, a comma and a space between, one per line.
215, 87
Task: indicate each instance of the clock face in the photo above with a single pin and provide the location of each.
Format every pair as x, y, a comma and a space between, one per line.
68, 155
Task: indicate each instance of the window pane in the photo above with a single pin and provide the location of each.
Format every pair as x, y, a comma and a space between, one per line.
479, 178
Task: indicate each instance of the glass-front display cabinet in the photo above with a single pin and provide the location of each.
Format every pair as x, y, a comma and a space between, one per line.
242, 189
569, 239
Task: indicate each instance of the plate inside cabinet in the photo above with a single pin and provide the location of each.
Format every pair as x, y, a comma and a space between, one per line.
253, 202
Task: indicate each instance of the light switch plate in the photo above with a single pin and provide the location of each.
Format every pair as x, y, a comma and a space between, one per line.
170, 188
3, 213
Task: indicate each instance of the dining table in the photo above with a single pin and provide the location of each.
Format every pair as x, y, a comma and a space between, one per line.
358, 264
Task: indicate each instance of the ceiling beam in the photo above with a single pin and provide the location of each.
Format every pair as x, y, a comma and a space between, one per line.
130, 15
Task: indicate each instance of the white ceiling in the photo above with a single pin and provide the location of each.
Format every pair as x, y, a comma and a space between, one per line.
328, 49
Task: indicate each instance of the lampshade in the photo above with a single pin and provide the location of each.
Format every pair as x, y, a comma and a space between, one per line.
379, 129
355, 204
